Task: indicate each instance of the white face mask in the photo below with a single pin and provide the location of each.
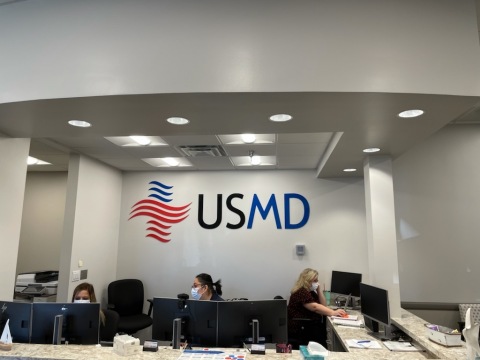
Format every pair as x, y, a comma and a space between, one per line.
81, 301
195, 294
314, 286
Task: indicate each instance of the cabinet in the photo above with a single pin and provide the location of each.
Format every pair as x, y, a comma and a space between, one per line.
333, 341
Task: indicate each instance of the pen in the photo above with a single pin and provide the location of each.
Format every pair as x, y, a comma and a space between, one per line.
363, 341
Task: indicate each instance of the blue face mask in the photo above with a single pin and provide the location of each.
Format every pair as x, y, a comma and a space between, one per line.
195, 294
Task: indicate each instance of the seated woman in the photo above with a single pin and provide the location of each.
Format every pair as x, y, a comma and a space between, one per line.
85, 293
204, 288
306, 308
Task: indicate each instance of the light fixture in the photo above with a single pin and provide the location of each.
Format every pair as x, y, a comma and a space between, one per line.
254, 159
248, 138
34, 161
141, 140
31, 160
171, 161
80, 123
175, 120
411, 113
350, 170
281, 117
371, 150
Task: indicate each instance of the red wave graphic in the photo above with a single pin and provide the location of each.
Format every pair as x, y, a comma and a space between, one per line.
158, 238
158, 217
162, 205
162, 212
162, 216
158, 231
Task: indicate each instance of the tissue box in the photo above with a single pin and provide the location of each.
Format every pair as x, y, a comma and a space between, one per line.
314, 351
126, 345
443, 335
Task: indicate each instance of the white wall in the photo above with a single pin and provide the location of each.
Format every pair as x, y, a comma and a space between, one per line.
13, 162
256, 263
91, 225
42, 221
437, 199
131, 47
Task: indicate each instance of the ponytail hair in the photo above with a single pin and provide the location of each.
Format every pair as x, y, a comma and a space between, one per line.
206, 280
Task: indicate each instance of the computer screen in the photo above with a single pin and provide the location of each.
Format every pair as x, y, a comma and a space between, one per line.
375, 310
80, 323
346, 283
198, 325
235, 320
19, 315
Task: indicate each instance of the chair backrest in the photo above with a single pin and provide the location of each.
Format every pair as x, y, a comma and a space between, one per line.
126, 296
110, 327
474, 312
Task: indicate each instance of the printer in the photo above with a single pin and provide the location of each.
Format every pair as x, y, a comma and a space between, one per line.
38, 283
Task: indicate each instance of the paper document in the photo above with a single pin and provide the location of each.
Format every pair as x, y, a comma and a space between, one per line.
343, 322
363, 344
401, 346
349, 317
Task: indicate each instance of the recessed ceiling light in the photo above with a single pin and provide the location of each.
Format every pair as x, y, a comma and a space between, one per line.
248, 138
255, 160
371, 150
177, 120
281, 117
411, 113
350, 170
141, 140
79, 123
171, 161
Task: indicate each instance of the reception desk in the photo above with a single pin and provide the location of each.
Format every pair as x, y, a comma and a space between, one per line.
409, 323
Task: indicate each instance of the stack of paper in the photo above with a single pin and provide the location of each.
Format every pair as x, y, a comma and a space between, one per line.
401, 346
363, 344
344, 322
348, 317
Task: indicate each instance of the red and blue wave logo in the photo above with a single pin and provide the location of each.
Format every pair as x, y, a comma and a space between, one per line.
161, 215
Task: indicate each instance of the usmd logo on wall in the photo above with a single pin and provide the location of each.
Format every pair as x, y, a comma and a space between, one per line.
162, 215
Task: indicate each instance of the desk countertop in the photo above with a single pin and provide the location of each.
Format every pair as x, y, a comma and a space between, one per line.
409, 323
33, 351
414, 327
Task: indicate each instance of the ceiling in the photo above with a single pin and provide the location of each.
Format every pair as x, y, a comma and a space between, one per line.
326, 135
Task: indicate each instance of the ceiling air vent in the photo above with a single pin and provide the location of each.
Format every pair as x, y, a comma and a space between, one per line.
202, 150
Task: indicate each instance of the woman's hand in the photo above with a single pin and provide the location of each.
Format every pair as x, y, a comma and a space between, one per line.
339, 312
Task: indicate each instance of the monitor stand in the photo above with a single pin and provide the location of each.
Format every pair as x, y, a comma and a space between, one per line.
57, 330
385, 333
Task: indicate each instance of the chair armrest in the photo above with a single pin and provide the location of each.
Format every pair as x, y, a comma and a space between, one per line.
150, 308
111, 306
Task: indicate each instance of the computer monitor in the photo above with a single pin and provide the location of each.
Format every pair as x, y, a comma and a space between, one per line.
346, 283
198, 320
79, 323
19, 315
236, 324
376, 312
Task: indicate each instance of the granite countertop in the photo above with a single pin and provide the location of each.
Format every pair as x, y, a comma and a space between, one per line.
408, 322
33, 351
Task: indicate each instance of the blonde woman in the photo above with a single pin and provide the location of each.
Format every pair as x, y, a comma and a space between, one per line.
305, 309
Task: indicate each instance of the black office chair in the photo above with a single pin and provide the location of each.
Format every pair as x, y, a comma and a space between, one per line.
126, 297
109, 329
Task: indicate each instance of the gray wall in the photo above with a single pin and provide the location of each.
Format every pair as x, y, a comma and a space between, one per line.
438, 223
42, 221
237, 46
